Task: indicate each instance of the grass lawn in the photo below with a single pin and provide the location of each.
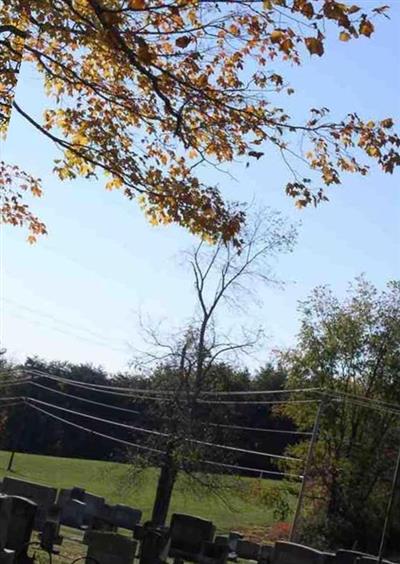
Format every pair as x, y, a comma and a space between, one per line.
109, 480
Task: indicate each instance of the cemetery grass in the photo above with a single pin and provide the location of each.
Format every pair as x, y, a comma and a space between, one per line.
110, 480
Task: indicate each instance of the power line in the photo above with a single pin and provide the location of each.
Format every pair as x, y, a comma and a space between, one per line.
6, 405
233, 427
107, 421
169, 392
121, 441
69, 333
165, 435
245, 468
37, 385
14, 383
135, 445
259, 429
262, 392
153, 393
143, 396
262, 402
34, 311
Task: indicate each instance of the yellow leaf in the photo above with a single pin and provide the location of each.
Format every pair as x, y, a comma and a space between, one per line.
344, 36
277, 36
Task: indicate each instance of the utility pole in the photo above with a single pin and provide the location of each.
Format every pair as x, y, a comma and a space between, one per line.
307, 468
389, 508
10, 461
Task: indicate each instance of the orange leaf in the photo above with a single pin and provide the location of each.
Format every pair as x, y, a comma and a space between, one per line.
314, 45
366, 28
137, 4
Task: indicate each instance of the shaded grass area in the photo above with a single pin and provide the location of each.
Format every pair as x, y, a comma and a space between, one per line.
114, 482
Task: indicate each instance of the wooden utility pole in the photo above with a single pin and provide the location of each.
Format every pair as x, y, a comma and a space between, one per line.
389, 508
307, 468
10, 461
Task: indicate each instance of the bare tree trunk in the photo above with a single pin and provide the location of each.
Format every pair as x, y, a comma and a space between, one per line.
165, 486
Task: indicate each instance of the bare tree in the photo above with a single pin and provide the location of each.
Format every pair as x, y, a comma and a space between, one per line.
187, 431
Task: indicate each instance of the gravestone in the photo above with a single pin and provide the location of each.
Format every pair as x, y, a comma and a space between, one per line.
247, 549
126, 517
72, 513
293, 553
5, 513
20, 529
221, 539
104, 519
214, 553
78, 493
100, 524
94, 504
43, 496
6, 556
154, 546
265, 553
109, 548
348, 556
188, 534
233, 538
50, 534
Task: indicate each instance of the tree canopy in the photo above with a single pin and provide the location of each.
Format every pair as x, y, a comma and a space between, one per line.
148, 90
350, 349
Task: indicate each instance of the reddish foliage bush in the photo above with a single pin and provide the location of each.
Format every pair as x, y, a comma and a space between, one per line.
279, 531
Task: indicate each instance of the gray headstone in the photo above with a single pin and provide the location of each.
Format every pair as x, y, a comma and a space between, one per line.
22, 518
292, 553
154, 546
188, 533
94, 505
100, 524
233, 538
265, 553
214, 553
72, 513
43, 496
110, 548
125, 516
6, 556
222, 539
5, 513
247, 549
78, 493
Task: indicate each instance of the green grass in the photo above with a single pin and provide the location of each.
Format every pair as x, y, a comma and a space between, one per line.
110, 480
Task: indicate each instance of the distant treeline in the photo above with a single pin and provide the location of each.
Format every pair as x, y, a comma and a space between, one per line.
26, 430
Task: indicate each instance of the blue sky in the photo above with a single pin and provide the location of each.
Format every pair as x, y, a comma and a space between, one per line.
76, 293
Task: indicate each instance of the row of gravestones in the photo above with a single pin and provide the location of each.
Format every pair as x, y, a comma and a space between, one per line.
77, 508
191, 539
187, 539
